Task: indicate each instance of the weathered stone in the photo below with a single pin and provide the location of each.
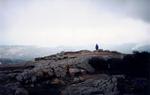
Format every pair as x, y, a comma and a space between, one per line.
93, 86
21, 91
69, 73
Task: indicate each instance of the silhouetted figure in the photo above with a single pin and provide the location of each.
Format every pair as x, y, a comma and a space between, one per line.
96, 47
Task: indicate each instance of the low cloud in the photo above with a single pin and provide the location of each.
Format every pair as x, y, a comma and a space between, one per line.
137, 9
75, 22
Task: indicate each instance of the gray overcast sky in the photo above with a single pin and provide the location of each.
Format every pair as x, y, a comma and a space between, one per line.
74, 22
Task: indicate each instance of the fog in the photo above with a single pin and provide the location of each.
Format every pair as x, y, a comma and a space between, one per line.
74, 22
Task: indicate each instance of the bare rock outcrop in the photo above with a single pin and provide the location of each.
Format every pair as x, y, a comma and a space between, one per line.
96, 85
72, 73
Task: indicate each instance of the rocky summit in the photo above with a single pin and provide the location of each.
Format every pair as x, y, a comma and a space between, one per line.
78, 73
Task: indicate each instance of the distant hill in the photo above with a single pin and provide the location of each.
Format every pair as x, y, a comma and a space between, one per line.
23, 52
11, 61
17, 53
142, 48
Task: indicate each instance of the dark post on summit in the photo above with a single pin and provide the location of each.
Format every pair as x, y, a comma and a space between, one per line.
96, 47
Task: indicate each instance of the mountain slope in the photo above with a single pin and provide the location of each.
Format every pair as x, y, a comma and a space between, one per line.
78, 73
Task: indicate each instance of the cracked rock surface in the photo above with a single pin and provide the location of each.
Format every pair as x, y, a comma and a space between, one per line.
68, 73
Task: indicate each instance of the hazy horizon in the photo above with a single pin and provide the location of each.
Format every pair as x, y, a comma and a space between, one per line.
75, 23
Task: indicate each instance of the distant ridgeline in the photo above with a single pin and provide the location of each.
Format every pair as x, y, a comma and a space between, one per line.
10, 61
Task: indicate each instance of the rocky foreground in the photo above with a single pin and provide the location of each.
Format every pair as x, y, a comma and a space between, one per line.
78, 73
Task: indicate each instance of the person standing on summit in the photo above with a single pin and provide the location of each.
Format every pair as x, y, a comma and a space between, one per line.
96, 47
